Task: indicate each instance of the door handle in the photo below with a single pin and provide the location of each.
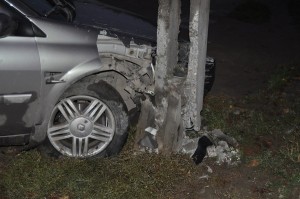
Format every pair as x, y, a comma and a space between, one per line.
53, 81
50, 78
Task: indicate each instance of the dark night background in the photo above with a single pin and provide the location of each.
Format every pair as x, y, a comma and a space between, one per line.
249, 39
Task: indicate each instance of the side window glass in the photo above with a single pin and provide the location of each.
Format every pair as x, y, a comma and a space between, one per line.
19, 25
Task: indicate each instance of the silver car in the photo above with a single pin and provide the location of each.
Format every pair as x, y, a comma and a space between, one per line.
73, 71
55, 88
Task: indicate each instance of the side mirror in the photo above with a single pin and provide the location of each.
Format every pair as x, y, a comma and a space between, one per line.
7, 25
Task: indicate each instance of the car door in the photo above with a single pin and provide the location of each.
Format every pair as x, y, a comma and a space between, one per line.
20, 77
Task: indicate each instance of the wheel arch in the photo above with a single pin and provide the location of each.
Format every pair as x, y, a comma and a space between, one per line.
51, 95
93, 91
94, 70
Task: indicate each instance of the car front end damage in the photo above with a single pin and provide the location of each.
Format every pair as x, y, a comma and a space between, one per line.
127, 45
89, 76
137, 62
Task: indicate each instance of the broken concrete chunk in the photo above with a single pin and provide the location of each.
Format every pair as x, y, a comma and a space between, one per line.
209, 170
148, 141
189, 145
218, 135
224, 154
213, 144
151, 130
211, 151
204, 177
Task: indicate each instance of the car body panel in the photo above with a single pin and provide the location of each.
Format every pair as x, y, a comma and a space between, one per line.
62, 54
20, 83
66, 56
51, 64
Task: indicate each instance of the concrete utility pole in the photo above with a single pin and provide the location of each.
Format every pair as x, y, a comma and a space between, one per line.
165, 115
167, 41
168, 115
194, 85
167, 96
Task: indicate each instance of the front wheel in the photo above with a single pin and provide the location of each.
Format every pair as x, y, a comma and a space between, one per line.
86, 125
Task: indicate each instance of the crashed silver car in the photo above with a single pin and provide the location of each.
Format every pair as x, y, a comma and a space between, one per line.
69, 82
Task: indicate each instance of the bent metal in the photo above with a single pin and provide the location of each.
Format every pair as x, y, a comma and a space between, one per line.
70, 84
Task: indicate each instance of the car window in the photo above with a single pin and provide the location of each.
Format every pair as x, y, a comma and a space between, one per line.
20, 26
4, 8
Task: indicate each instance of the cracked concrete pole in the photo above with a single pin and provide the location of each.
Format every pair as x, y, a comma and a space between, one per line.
194, 85
167, 96
167, 40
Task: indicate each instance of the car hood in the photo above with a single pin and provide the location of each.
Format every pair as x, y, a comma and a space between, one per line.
126, 26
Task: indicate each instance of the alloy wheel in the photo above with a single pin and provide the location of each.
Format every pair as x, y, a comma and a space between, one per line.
81, 126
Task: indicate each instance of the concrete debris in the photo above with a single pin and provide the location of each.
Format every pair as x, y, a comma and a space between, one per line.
204, 177
151, 130
148, 142
218, 135
209, 170
224, 154
189, 145
214, 144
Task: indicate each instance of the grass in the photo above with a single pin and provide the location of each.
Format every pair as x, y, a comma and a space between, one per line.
269, 124
128, 176
266, 124
280, 78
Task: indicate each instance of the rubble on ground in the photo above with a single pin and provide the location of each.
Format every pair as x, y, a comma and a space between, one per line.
223, 147
212, 144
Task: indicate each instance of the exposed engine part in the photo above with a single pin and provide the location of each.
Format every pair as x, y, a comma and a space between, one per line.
134, 63
138, 54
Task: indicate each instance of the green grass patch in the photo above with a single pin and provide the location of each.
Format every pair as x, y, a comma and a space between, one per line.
269, 124
281, 77
127, 176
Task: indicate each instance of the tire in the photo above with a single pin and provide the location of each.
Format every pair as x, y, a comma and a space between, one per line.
90, 120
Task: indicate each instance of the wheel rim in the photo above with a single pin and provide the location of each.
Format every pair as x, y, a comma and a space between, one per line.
81, 126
